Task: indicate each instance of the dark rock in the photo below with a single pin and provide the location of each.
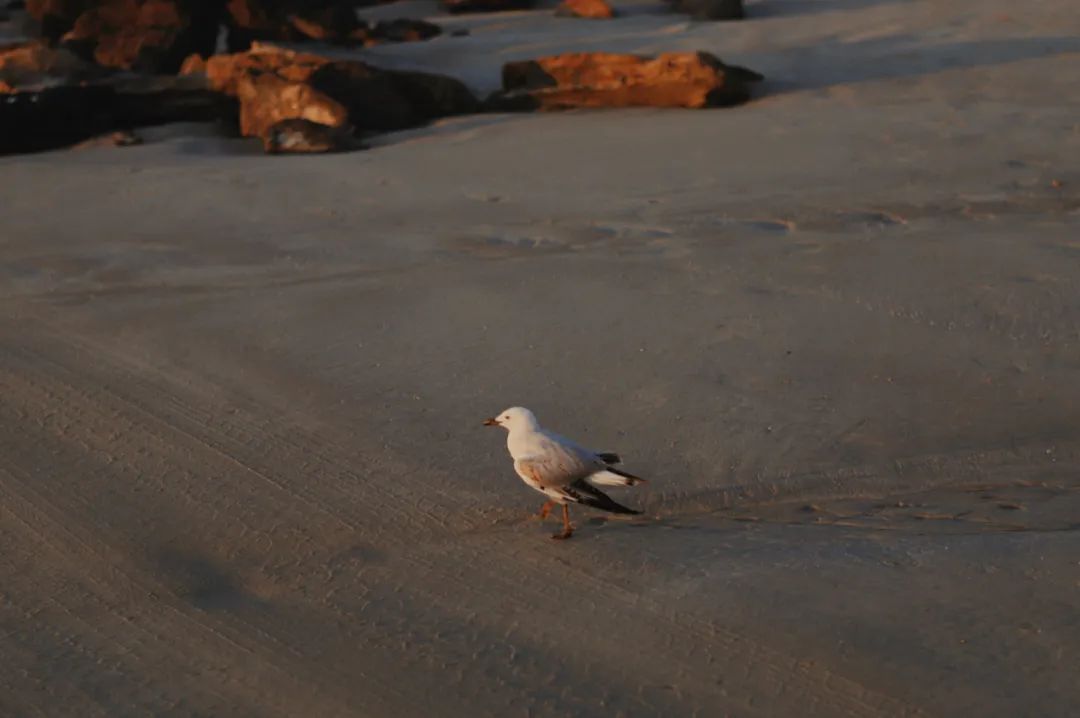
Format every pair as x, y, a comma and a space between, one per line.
392, 100
331, 21
711, 9
61, 116
462, 6
251, 21
690, 79
297, 136
334, 24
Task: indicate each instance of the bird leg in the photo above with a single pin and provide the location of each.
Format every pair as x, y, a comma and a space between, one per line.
546, 509
567, 530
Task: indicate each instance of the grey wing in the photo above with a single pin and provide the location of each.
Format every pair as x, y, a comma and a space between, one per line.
587, 457
556, 464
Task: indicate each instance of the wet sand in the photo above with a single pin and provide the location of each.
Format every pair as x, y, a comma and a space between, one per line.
242, 470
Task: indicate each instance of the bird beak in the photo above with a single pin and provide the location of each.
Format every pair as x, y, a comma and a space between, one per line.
490, 422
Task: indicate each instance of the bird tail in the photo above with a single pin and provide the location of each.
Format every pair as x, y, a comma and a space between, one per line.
613, 477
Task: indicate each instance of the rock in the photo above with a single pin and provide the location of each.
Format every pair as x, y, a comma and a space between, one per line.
266, 100
305, 136
711, 9
689, 79
151, 36
461, 6
125, 138
400, 30
33, 64
56, 16
250, 21
592, 9
60, 116
274, 84
387, 100
194, 64
335, 23
224, 72
329, 21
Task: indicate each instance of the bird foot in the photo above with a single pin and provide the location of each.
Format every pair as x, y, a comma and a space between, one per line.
544, 511
563, 535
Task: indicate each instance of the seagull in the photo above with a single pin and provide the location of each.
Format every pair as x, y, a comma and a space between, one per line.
557, 467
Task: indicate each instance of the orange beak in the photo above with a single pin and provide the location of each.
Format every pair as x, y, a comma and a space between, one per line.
490, 422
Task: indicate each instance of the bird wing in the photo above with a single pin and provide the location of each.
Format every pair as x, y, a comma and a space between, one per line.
587, 456
552, 463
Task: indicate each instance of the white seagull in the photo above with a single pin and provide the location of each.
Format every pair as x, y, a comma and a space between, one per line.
560, 469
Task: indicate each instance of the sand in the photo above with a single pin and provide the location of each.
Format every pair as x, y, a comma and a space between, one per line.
242, 471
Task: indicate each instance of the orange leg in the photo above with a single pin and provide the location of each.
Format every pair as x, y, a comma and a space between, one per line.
546, 509
567, 530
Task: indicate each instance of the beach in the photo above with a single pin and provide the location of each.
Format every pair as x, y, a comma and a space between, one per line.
242, 466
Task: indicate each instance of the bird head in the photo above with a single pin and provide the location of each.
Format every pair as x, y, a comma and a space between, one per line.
515, 417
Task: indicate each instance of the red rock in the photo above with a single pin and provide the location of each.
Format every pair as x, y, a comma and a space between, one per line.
592, 9
266, 99
690, 79
224, 72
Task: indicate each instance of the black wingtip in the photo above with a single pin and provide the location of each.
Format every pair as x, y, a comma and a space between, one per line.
624, 510
609, 457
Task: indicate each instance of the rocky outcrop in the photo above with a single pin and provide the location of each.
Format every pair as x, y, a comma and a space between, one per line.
273, 84
690, 79
590, 9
